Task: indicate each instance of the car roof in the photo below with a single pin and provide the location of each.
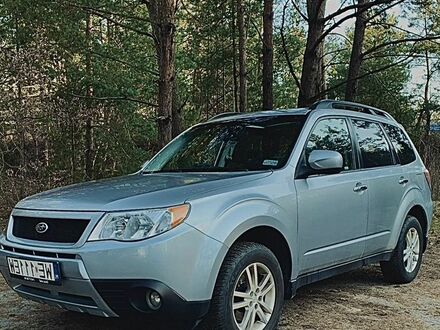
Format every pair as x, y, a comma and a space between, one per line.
320, 108
237, 116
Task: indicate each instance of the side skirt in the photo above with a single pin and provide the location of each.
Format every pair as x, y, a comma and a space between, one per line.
325, 273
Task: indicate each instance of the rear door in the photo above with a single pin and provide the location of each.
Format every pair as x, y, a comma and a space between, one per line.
385, 186
332, 208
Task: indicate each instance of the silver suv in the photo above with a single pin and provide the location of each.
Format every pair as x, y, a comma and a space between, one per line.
229, 219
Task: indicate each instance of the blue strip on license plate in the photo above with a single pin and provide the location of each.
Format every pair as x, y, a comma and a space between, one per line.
35, 270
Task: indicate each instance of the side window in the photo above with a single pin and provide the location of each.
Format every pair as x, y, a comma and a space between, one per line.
401, 144
375, 150
332, 134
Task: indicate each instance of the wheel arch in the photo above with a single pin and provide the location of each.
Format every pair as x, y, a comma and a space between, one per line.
257, 220
419, 213
413, 204
275, 241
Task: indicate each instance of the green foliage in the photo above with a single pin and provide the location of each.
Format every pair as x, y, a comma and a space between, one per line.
56, 76
285, 88
49, 62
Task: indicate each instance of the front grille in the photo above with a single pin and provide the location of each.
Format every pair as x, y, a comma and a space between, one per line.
56, 255
58, 230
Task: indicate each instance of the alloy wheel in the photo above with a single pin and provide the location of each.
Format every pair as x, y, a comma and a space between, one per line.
411, 253
254, 297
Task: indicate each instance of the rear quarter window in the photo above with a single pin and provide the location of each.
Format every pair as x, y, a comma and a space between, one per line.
401, 144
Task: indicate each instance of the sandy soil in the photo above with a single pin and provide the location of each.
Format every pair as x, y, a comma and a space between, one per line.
356, 300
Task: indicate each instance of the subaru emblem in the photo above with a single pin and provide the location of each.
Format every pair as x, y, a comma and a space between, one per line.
41, 227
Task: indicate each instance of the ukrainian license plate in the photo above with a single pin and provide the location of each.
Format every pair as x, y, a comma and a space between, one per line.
35, 271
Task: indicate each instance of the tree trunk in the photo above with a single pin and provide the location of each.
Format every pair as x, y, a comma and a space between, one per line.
426, 97
268, 55
176, 112
312, 76
356, 54
20, 115
72, 146
89, 93
163, 17
242, 56
234, 55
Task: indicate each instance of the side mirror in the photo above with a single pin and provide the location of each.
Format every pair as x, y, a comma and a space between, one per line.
325, 161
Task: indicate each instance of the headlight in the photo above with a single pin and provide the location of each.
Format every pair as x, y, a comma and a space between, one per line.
136, 225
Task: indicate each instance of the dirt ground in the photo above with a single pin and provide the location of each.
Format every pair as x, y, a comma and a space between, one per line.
356, 300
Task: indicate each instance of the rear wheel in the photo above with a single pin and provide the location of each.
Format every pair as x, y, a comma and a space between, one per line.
405, 263
249, 292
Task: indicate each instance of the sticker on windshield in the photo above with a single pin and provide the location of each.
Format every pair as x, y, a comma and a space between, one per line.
270, 162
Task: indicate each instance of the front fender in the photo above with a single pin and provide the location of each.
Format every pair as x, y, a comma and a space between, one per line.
254, 213
241, 216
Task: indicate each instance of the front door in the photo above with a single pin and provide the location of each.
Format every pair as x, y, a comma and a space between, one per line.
332, 208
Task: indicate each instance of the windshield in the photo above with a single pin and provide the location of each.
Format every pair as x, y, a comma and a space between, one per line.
253, 144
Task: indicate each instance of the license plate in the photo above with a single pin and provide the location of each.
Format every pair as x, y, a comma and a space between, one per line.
35, 271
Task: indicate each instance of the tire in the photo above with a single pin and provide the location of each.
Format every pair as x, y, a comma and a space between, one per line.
233, 276
401, 268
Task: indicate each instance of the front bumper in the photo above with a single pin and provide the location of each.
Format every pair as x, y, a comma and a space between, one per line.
110, 278
126, 297
76, 293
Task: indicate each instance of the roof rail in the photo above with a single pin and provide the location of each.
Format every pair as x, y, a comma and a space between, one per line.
225, 114
351, 106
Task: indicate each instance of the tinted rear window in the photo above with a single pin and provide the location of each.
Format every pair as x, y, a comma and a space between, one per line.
401, 144
375, 150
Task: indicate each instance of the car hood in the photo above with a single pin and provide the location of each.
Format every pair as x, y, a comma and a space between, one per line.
135, 191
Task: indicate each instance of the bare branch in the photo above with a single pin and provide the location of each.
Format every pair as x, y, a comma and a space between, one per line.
369, 73
295, 5
337, 24
392, 26
104, 11
342, 36
141, 69
399, 41
362, 7
114, 98
385, 9
257, 29
379, 55
100, 13
285, 51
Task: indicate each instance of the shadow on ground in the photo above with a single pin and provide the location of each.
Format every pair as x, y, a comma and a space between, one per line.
307, 298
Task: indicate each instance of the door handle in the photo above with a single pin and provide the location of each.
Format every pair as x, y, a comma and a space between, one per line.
403, 180
360, 187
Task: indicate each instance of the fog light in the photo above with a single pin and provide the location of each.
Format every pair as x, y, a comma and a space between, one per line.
154, 299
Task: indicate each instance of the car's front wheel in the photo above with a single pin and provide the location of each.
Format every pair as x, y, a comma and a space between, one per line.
405, 263
249, 292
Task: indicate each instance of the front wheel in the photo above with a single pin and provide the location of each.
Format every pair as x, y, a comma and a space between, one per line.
249, 292
405, 263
